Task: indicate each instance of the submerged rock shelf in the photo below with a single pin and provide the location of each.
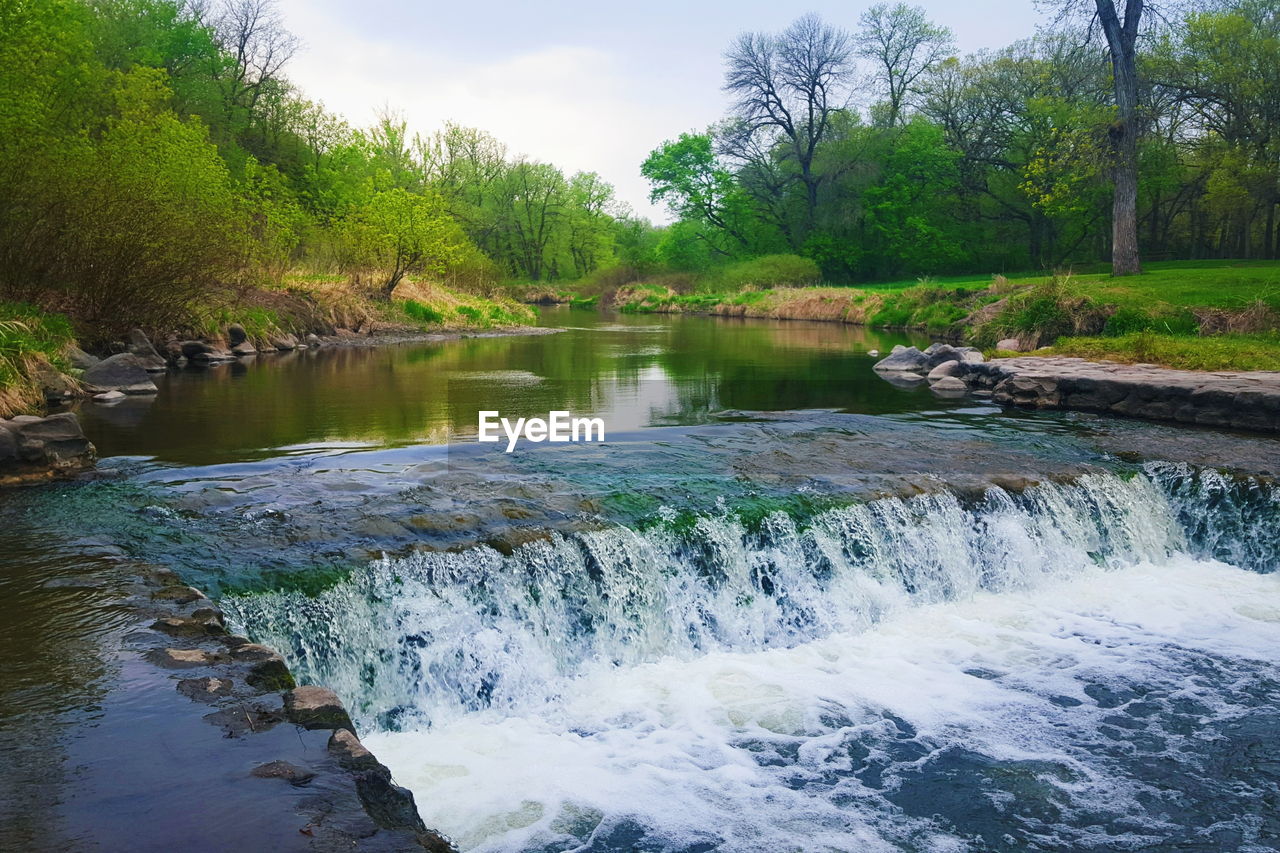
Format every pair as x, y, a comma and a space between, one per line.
247, 690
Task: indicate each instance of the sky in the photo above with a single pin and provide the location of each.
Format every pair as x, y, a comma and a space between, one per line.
588, 86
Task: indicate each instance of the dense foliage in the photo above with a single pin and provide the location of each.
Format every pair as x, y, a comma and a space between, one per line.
153, 157
996, 161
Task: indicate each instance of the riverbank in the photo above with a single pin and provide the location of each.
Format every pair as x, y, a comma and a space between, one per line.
41, 360
1196, 314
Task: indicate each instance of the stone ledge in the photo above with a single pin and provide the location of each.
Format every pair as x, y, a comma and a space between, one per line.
1240, 400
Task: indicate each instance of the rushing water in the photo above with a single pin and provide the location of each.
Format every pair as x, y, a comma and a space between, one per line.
786, 606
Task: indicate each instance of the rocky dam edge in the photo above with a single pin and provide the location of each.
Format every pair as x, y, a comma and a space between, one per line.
347, 799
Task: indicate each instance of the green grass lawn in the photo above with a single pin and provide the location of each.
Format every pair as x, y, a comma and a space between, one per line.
1216, 352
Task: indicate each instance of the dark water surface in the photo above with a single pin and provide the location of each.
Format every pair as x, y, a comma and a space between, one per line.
728, 627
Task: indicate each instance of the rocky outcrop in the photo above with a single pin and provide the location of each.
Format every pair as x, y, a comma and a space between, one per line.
126, 373
32, 447
140, 346
1241, 400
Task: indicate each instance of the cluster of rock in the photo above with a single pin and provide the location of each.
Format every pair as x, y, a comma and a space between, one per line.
130, 372
1241, 400
940, 364
247, 689
37, 447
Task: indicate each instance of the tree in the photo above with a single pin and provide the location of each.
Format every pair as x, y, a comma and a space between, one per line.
687, 176
399, 233
1122, 43
791, 85
903, 45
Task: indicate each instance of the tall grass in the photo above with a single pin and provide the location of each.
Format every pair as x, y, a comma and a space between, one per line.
28, 338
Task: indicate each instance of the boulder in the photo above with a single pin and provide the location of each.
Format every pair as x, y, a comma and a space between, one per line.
140, 345
236, 335
940, 353
109, 396
244, 348
903, 360
947, 368
949, 386
124, 372
973, 356
31, 445
294, 774
80, 359
316, 708
284, 342
1010, 345
190, 349
313, 340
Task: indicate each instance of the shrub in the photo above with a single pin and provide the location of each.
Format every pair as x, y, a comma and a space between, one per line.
470, 313
1126, 321
769, 271
422, 313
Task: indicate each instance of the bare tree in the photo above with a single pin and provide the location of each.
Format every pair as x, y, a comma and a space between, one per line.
790, 85
903, 45
253, 35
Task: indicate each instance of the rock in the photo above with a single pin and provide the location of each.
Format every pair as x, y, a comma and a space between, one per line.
206, 689
109, 396
124, 372
973, 356
80, 359
874, 353
350, 752
244, 348
316, 708
56, 385
284, 342
34, 446
1010, 345
205, 625
387, 803
947, 368
267, 671
183, 658
294, 774
190, 349
177, 594
948, 385
313, 340
236, 335
904, 360
940, 353
140, 345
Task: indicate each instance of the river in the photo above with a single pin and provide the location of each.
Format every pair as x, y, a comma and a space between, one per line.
785, 605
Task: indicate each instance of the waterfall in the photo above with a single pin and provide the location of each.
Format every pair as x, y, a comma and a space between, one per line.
413, 640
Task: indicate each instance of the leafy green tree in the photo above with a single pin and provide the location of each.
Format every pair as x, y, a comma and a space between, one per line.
400, 233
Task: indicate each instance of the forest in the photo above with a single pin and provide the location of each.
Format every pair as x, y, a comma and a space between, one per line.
156, 162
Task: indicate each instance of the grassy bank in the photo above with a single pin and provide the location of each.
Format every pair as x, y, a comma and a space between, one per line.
1203, 314
32, 344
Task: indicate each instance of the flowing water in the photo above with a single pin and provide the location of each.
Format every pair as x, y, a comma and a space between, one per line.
785, 606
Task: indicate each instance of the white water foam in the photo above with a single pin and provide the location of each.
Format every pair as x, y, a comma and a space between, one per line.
762, 750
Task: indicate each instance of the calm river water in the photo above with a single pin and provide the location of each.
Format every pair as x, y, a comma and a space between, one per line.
786, 605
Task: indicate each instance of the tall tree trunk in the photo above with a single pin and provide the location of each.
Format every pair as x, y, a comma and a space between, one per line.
1122, 40
1269, 239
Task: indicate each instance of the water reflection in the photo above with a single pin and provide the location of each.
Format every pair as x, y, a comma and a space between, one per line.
634, 371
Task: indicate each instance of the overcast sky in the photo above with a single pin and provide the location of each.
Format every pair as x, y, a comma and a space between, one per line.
586, 85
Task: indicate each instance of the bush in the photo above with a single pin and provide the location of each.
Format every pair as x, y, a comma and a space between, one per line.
1126, 321
28, 338
423, 313
769, 271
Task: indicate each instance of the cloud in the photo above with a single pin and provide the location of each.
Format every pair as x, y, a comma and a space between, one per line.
568, 105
